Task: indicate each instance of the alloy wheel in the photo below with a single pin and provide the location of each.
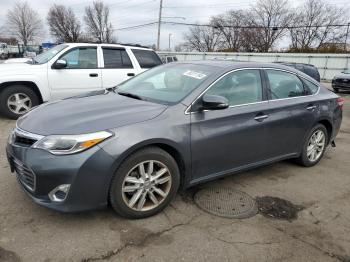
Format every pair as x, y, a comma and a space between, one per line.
19, 103
316, 145
146, 185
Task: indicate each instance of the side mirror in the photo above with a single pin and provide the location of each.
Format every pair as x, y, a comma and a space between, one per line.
60, 64
214, 102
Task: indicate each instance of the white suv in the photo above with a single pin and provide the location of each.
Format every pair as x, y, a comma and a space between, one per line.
68, 70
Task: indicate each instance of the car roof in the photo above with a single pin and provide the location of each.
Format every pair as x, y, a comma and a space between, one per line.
108, 45
232, 65
294, 63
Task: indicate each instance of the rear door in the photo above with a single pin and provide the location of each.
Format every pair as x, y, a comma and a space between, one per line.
292, 112
225, 140
116, 67
81, 74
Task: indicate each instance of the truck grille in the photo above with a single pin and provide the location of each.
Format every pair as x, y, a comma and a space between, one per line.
25, 175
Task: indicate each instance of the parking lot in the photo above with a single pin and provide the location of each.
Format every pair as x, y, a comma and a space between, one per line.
183, 232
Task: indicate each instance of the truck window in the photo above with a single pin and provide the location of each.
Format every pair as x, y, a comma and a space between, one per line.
81, 58
116, 58
146, 58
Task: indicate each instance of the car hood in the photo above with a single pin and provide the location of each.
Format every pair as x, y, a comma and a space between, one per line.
80, 115
17, 60
342, 76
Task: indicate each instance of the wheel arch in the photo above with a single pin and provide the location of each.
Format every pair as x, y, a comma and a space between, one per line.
328, 125
28, 84
166, 145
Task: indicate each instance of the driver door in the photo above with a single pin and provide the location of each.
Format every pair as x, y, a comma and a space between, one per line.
227, 140
81, 74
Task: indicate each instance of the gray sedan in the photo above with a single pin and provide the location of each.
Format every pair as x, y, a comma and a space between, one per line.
172, 127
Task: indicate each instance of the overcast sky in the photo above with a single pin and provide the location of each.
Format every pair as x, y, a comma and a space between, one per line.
125, 13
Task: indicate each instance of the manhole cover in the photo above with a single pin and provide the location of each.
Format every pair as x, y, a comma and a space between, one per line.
226, 202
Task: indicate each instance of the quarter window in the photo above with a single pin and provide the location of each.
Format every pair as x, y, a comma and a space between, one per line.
81, 58
284, 85
310, 87
146, 58
240, 87
116, 58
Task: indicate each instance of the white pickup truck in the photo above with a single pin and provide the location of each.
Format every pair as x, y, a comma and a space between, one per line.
68, 70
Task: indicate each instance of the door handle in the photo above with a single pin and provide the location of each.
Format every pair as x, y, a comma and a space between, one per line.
130, 74
260, 118
311, 107
93, 75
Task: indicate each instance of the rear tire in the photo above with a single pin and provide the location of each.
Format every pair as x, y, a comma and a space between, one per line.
16, 100
144, 184
314, 146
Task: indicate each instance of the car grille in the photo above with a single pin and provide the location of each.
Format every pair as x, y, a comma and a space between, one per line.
342, 81
25, 175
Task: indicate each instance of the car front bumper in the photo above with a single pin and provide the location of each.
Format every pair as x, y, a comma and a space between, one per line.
341, 85
88, 173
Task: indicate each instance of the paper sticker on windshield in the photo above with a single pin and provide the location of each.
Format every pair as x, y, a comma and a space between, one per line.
194, 74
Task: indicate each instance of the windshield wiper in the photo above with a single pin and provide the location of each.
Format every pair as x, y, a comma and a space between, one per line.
130, 95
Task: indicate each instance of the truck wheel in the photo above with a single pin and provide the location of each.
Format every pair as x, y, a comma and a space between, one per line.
16, 100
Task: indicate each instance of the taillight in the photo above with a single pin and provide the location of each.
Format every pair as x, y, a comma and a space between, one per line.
340, 102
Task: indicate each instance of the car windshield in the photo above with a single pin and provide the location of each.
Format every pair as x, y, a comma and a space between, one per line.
167, 84
46, 56
347, 71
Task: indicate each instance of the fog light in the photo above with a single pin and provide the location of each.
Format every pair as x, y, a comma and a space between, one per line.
59, 194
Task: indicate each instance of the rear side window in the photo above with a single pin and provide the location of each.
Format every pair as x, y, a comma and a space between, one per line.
116, 58
81, 58
146, 58
310, 87
284, 85
240, 87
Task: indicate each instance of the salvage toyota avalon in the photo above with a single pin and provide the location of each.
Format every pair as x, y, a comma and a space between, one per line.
171, 127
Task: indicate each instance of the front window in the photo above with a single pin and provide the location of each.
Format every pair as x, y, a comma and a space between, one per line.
239, 88
49, 54
81, 58
347, 71
167, 84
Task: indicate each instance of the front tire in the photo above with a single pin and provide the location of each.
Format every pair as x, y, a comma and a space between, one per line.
17, 100
314, 146
145, 183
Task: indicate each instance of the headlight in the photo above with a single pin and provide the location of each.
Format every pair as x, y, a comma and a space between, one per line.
69, 144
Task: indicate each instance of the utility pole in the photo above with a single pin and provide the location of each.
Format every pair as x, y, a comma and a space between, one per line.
169, 41
346, 38
159, 23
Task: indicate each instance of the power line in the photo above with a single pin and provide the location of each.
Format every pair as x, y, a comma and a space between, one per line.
254, 26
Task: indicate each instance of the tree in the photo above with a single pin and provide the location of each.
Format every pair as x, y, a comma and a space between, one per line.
24, 23
203, 38
268, 21
64, 25
313, 25
229, 26
97, 22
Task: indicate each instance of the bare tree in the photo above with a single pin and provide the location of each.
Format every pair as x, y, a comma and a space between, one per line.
24, 23
314, 25
229, 24
97, 22
267, 23
64, 25
203, 38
